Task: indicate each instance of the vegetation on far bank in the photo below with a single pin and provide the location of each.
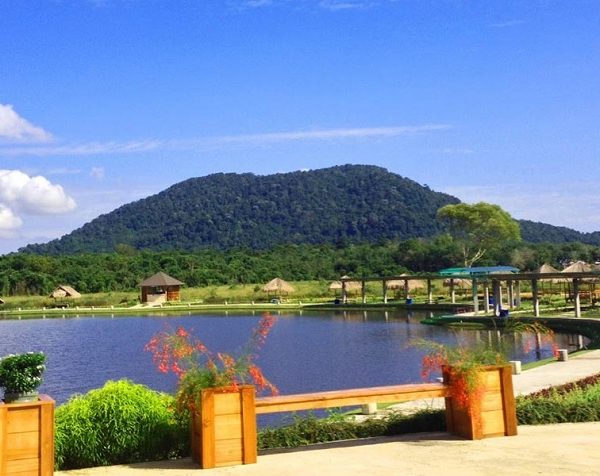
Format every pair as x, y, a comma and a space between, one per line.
121, 271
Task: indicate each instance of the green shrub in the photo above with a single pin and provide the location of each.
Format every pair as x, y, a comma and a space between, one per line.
574, 406
310, 430
121, 422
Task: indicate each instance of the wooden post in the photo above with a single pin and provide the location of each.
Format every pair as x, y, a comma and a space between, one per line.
452, 292
405, 289
496, 289
486, 298
344, 293
518, 294
475, 294
576, 297
429, 292
511, 294
27, 437
385, 291
536, 297
363, 291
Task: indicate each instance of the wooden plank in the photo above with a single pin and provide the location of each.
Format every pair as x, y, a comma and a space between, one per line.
491, 381
23, 419
3, 425
47, 439
29, 466
492, 422
249, 437
491, 401
509, 405
227, 404
23, 445
351, 397
207, 435
227, 427
229, 452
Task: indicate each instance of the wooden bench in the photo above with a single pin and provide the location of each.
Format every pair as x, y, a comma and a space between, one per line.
350, 397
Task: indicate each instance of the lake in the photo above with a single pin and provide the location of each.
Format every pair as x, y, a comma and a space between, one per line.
307, 351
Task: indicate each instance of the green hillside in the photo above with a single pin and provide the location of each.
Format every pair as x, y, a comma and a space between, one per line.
350, 203
337, 205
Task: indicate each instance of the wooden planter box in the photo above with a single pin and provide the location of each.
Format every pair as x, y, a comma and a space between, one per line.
27, 438
224, 427
496, 413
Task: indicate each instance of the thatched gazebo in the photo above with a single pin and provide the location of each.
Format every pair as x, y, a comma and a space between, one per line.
278, 286
578, 267
351, 286
64, 291
160, 288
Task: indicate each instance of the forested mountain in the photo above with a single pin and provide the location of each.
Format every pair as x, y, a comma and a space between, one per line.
337, 205
350, 203
535, 232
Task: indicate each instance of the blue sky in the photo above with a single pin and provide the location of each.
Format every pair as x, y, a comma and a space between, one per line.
104, 102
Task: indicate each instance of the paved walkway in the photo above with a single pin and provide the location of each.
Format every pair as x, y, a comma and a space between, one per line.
566, 449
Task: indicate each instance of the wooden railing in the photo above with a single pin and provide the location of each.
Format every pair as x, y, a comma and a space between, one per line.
350, 397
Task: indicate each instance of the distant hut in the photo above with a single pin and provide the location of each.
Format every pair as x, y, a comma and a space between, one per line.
351, 286
160, 288
578, 267
459, 283
278, 287
64, 291
398, 284
546, 268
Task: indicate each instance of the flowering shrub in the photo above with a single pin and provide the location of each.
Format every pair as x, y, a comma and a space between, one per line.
460, 366
23, 372
197, 367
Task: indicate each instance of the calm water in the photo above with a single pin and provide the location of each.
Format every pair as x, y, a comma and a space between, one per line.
305, 352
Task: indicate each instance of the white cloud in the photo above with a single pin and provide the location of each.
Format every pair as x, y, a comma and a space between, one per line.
34, 195
100, 148
336, 5
14, 128
97, 172
507, 24
9, 222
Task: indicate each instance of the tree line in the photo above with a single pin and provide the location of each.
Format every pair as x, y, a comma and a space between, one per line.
123, 269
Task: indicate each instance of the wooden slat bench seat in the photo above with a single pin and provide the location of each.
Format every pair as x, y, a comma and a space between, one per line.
350, 397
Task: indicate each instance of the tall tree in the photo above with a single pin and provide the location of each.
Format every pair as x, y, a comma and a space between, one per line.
478, 228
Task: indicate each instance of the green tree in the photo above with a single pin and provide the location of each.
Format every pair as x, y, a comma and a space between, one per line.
478, 228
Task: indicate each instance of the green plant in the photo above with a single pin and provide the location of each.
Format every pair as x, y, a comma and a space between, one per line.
197, 367
310, 430
121, 422
22, 373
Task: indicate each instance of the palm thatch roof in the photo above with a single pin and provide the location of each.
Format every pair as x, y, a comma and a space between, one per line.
160, 279
278, 285
399, 283
578, 267
350, 285
63, 291
546, 268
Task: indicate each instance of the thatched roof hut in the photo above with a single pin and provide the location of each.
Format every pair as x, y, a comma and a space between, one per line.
578, 267
399, 283
160, 288
350, 285
64, 291
546, 268
278, 286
